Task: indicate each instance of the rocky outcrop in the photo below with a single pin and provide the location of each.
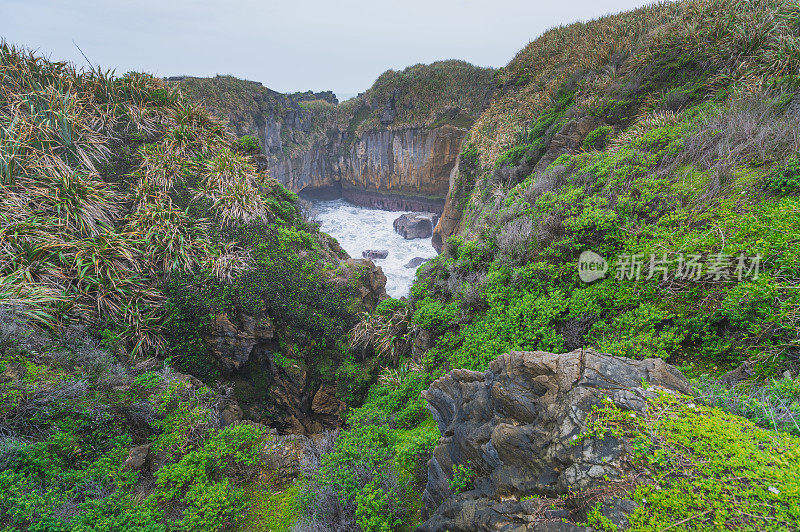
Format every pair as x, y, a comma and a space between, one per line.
389, 169
392, 147
232, 344
516, 425
415, 225
450, 219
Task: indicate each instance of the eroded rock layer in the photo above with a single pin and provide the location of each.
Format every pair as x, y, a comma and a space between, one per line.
517, 424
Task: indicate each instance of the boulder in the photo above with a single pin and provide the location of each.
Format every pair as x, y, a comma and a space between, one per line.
416, 262
373, 254
516, 426
416, 225
137, 457
326, 403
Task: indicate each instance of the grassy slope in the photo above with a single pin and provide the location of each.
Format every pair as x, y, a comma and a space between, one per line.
692, 152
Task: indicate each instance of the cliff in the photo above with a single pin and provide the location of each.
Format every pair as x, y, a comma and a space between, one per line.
393, 146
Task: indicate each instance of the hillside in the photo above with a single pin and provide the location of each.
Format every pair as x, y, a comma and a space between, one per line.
668, 132
608, 340
139, 241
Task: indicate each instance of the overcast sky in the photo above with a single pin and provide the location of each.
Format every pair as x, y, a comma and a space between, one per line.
341, 45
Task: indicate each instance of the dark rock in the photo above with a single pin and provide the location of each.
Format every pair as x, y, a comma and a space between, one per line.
415, 225
373, 254
137, 457
515, 425
416, 262
232, 344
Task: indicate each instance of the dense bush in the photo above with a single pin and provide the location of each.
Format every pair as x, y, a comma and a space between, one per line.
786, 178
597, 139
250, 144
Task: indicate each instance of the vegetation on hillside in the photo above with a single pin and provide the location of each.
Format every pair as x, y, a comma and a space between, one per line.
691, 155
665, 140
129, 219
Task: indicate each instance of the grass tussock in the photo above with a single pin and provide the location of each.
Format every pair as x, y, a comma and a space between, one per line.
107, 185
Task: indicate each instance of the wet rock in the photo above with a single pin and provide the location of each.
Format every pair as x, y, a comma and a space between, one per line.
373, 254
415, 225
516, 423
416, 262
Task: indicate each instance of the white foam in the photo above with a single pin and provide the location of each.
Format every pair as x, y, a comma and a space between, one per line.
358, 229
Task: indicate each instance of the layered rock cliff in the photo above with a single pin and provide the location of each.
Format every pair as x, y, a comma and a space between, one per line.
517, 426
392, 147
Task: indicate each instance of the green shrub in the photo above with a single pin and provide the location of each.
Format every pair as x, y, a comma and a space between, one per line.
413, 453
597, 139
432, 314
250, 144
388, 306
463, 478
376, 509
786, 178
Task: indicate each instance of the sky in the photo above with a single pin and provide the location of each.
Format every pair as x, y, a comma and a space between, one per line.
295, 45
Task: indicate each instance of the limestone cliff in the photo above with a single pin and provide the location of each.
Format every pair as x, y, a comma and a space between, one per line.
392, 147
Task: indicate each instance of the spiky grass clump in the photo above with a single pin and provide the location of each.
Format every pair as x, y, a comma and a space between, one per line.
108, 184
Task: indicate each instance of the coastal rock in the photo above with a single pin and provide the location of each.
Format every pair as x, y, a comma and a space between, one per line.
416, 262
450, 220
373, 254
515, 425
325, 402
415, 225
232, 344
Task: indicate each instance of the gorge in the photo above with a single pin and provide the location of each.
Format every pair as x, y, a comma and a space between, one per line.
228, 309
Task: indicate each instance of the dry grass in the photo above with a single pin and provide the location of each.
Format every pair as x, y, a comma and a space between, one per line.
740, 42
73, 234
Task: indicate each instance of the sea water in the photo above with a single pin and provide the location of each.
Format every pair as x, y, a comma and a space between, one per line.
359, 228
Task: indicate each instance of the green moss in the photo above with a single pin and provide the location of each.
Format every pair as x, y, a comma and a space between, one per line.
271, 508
706, 469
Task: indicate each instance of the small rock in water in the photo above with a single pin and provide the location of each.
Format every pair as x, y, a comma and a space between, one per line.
415, 262
373, 254
415, 225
